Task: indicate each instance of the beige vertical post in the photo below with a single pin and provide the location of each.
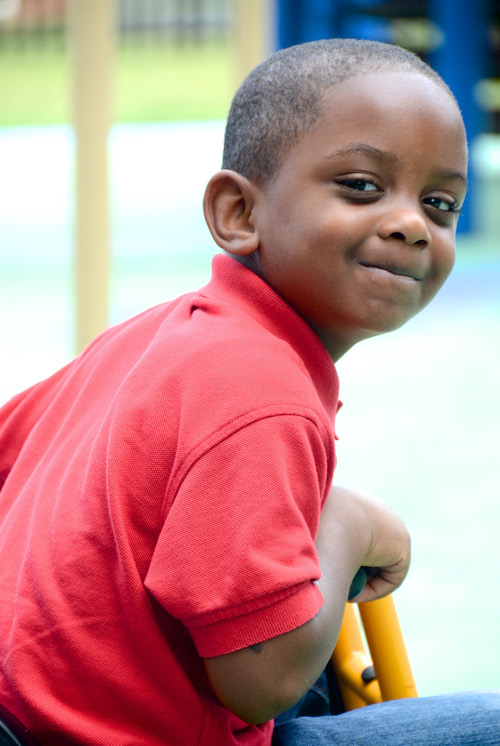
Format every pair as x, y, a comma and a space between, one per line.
92, 45
253, 34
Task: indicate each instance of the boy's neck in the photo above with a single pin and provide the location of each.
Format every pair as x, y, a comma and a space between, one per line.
335, 345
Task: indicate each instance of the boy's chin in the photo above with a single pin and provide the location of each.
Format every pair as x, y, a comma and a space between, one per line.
376, 330
371, 329
389, 320
344, 334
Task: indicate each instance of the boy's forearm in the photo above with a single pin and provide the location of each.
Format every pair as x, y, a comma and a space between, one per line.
259, 683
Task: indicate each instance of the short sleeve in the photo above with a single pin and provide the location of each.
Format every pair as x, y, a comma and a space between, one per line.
236, 560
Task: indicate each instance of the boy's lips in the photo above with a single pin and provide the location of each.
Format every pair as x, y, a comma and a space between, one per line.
412, 273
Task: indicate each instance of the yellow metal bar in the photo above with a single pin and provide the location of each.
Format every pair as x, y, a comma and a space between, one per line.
349, 660
92, 46
253, 35
387, 649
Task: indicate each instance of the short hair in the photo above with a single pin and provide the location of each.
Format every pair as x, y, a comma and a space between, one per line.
281, 98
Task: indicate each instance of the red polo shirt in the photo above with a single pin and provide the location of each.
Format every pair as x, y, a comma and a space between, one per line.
160, 502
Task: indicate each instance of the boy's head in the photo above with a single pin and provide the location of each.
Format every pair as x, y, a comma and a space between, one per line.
344, 172
282, 98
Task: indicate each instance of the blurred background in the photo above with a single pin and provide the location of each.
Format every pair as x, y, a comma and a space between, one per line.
111, 121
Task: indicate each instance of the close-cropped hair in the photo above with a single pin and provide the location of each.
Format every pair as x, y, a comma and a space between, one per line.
281, 98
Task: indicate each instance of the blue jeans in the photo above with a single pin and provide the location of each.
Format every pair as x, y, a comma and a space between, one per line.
465, 719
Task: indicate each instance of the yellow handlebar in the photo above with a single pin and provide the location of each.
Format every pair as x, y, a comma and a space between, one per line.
385, 673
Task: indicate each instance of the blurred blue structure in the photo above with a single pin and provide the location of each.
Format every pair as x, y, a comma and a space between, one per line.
462, 62
461, 58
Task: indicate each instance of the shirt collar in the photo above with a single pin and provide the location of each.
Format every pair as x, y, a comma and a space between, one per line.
252, 294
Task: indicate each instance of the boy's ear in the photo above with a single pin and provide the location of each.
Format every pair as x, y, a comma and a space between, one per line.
228, 206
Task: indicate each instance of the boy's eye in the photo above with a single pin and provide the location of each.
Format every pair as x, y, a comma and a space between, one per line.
361, 185
441, 204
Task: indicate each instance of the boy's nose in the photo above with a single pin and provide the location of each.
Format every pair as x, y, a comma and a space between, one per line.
408, 225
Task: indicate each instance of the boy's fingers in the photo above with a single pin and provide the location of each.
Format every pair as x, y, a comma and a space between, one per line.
380, 582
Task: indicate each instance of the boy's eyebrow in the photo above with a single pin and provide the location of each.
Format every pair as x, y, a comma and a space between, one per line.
370, 151
382, 156
450, 175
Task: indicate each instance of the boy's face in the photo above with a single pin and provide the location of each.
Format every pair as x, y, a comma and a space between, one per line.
357, 231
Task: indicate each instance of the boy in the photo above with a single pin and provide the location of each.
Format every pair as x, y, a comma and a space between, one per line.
174, 562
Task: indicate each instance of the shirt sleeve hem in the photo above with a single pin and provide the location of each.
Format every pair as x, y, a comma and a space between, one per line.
228, 635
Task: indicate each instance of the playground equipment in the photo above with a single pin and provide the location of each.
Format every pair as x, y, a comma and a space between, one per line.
92, 41
253, 35
383, 674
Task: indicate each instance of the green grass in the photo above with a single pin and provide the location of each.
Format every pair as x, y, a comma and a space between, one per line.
174, 82
34, 87
155, 82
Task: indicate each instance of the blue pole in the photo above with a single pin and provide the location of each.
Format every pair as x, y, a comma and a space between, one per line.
461, 61
307, 20
318, 22
289, 13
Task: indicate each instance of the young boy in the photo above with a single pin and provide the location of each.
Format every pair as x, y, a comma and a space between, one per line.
174, 562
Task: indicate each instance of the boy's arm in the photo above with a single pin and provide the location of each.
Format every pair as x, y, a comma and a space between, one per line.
260, 682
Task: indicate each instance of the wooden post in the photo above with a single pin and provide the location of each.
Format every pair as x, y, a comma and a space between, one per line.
253, 35
92, 46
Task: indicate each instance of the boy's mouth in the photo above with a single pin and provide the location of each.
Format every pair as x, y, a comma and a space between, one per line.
403, 272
